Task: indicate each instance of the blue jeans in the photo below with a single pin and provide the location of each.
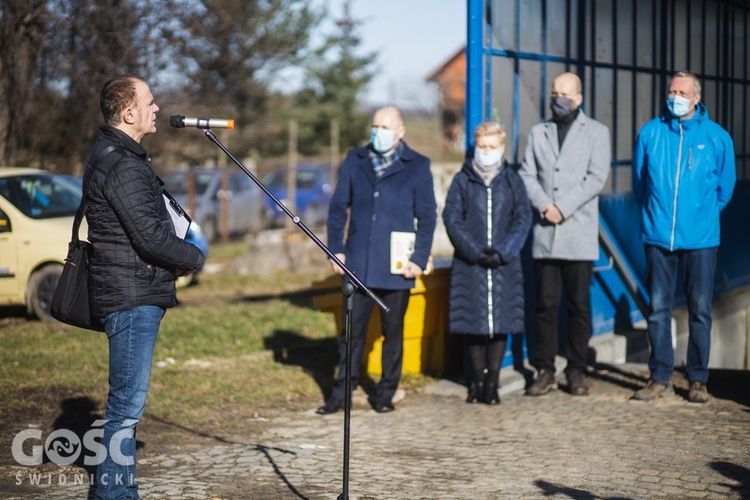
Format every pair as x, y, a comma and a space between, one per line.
697, 268
132, 337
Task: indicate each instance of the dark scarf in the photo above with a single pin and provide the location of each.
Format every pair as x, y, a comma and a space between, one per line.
381, 162
563, 125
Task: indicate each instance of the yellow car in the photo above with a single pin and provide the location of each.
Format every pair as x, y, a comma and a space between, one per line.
36, 219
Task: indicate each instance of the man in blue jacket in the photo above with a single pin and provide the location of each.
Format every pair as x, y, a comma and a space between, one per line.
385, 186
683, 176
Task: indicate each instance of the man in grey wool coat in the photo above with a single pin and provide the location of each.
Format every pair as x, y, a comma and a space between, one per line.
565, 166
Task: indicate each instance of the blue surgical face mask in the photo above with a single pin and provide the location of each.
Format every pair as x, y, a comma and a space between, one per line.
679, 106
488, 158
382, 139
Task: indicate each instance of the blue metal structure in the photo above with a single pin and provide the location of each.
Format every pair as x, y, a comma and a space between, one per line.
624, 51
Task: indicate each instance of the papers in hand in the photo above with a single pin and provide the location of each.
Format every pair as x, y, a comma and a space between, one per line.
402, 246
180, 220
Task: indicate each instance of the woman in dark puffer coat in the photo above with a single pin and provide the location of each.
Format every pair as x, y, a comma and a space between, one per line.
487, 216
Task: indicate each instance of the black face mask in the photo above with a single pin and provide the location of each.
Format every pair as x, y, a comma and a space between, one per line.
561, 107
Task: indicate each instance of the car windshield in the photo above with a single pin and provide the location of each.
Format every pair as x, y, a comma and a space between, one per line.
275, 180
306, 180
42, 196
177, 183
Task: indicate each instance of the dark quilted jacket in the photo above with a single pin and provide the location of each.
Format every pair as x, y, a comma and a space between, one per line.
486, 301
136, 250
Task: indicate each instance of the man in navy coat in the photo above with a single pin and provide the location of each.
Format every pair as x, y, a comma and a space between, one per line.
383, 187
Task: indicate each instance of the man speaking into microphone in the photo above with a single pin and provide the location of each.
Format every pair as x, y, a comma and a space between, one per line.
136, 259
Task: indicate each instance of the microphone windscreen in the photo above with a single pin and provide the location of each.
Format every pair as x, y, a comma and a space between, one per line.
177, 121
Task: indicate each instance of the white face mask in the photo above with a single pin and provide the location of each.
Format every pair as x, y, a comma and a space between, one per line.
489, 158
679, 106
382, 139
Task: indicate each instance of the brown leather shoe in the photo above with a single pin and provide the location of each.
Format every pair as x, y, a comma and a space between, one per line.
698, 392
654, 389
545, 382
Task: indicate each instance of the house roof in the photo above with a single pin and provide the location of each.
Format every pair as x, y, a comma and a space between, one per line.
458, 54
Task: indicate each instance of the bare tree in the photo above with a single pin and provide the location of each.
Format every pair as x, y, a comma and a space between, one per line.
218, 55
22, 24
88, 42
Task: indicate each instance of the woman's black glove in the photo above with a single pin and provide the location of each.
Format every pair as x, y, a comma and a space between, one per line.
489, 258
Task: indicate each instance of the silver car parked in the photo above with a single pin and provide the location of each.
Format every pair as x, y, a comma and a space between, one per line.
220, 199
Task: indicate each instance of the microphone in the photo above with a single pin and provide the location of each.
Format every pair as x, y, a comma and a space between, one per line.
178, 121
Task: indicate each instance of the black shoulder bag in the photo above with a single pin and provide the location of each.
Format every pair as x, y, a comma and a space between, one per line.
70, 303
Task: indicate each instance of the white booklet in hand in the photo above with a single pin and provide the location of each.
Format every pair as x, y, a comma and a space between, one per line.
402, 246
180, 219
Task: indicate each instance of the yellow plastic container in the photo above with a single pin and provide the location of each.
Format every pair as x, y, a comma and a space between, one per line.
425, 323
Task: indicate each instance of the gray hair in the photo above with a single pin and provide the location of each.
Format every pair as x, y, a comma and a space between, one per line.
687, 74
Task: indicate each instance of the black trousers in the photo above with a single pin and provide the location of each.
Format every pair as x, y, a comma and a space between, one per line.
575, 278
392, 327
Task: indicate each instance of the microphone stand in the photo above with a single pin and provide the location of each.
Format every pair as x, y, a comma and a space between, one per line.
348, 289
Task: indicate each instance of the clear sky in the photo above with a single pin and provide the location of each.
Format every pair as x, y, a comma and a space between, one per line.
412, 39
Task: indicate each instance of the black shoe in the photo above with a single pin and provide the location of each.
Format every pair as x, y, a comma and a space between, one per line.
331, 406
577, 383
476, 391
384, 406
491, 386
491, 394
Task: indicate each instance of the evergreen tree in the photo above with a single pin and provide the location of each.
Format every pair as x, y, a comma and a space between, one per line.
336, 76
235, 49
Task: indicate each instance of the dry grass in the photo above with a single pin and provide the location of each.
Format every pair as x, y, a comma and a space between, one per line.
235, 345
